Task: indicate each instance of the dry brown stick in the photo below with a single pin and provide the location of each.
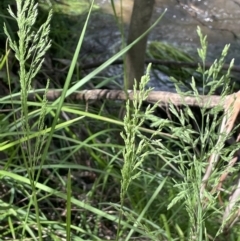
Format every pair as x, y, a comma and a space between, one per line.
162, 97
235, 196
231, 108
229, 217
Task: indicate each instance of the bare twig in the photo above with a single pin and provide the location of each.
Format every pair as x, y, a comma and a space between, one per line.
229, 215
168, 63
231, 108
164, 98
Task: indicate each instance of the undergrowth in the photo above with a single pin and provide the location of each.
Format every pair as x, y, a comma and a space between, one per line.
66, 176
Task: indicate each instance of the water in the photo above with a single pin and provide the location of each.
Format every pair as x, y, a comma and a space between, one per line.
218, 19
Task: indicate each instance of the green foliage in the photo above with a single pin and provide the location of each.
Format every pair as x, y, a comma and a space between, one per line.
152, 180
195, 148
68, 7
31, 45
164, 51
134, 152
167, 52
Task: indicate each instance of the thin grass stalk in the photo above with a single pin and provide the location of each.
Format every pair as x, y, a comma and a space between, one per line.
30, 45
59, 102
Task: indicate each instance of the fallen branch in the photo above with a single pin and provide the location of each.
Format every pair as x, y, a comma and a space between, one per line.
164, 98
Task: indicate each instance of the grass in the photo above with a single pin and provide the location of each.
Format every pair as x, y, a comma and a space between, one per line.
66, 176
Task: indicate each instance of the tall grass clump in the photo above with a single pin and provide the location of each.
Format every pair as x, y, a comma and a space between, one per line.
177, 162
29, 49
135, 151
197, 139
